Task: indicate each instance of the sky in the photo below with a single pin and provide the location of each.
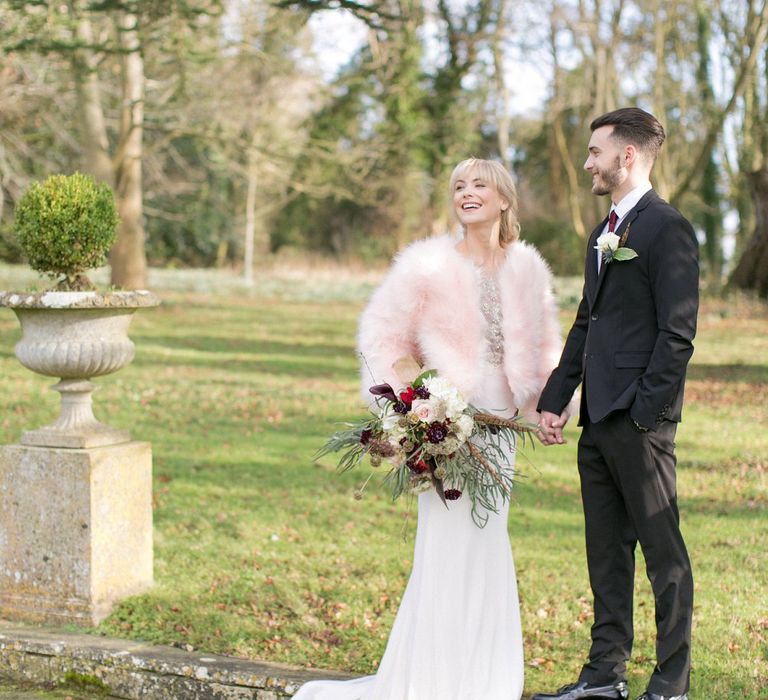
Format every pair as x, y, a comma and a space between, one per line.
337, 35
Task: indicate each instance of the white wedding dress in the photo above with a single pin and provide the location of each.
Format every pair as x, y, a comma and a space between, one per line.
457, 633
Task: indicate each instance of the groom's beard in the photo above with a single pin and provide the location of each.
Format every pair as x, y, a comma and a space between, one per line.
606, 181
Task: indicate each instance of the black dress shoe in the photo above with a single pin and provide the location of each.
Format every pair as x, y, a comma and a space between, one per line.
582, 689
652, 696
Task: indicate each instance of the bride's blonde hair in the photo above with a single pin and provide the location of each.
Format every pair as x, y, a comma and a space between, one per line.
498, 176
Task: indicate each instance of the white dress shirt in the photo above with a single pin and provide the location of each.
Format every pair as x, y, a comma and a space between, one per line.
622, 208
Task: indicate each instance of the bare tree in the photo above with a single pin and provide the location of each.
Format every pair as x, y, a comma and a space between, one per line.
128, 257
86, 37
589, 31
751, 272
753, 42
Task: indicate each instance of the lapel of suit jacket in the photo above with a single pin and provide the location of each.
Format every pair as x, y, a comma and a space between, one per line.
591, 272
645, 200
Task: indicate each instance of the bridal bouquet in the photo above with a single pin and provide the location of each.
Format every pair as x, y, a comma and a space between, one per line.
432, 438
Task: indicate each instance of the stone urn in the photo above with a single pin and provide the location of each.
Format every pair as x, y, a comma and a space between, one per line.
75, 336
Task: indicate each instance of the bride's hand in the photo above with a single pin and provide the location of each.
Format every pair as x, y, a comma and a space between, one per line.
550, 427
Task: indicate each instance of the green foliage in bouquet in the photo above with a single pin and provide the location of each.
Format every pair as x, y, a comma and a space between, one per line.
66, 225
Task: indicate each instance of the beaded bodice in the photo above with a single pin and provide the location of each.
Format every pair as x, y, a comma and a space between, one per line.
490, 306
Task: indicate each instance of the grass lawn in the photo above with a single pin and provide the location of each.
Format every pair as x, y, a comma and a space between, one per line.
262, 553
66, 691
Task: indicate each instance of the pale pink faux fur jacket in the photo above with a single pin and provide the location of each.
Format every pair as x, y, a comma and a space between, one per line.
428, 306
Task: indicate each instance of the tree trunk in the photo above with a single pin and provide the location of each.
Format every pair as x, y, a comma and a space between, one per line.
558, 139
711, 219
95, 159
250, 223
752, 271
750, 159
128, 257
574, 202
661, 84
556, 185
503, 118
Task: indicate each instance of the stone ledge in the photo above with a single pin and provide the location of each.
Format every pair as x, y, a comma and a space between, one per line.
134, 670
52, 299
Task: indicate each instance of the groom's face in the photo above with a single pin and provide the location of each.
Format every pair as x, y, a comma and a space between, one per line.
604, 162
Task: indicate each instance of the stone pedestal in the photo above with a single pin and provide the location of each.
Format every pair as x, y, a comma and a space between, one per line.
75, 530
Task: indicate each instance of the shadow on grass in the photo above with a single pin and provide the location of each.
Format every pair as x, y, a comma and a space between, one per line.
736, 509
216, 344
751, 374
273, 358
276, 315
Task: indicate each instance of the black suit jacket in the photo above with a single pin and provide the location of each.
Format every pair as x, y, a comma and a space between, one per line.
634, 329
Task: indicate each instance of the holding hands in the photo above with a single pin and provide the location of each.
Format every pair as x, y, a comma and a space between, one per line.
550, 427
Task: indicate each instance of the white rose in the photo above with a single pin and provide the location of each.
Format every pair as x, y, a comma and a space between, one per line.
608, 243
429, 410
390, 421
424, 410
465, 425
450, 396
438, 387
455, 406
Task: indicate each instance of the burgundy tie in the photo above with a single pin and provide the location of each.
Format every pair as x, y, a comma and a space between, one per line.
613, 217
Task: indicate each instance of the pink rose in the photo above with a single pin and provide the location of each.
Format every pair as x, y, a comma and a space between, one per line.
424, 410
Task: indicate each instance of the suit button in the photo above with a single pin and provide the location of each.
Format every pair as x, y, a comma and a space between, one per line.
594, 317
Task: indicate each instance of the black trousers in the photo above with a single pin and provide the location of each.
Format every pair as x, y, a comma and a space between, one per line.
629, 494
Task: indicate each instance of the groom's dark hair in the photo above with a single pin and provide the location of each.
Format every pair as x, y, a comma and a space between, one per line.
633, 125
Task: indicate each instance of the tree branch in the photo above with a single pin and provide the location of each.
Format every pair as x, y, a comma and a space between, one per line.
757, 31
372, 14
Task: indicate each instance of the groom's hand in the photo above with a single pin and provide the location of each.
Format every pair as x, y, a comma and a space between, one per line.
550, 428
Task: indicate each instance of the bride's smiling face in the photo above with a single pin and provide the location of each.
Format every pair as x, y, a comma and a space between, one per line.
476, 201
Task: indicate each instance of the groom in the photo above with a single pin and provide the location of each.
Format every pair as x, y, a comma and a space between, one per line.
629, 347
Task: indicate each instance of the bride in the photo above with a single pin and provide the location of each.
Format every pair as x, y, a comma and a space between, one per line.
479, 309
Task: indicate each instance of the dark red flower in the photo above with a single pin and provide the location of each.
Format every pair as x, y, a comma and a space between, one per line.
422, 392
436, 432
385, 391
452, 494
417, 466
408, 396
365, 436
401, 407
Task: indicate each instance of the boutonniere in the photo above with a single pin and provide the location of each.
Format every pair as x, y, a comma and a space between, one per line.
612, 247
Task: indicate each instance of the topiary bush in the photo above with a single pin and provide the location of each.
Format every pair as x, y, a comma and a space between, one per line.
66, 225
